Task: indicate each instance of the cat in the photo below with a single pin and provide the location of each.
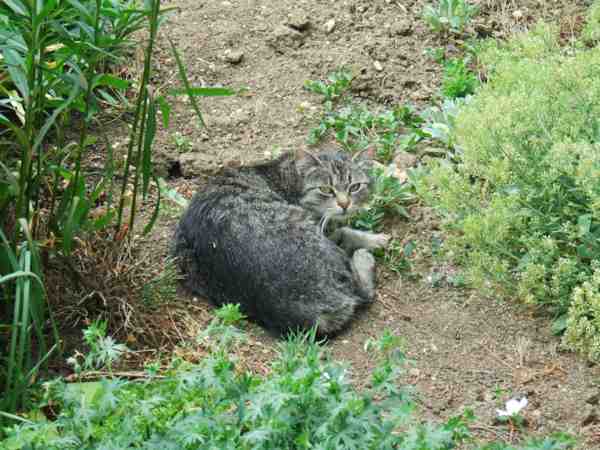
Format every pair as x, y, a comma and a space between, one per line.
256, 236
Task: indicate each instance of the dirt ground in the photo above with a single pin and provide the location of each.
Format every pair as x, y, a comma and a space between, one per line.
467, 351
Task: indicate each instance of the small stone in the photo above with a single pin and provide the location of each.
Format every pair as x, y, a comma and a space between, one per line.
594, 399
233, 56
378, 66
329, 26
284, 37
298, 20
401, 28
591, 417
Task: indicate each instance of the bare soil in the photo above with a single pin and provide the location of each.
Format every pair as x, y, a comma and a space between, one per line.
467, 351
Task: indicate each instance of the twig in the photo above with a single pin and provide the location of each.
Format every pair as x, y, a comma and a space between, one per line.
103, 373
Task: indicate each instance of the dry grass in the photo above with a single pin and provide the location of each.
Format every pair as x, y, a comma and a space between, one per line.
117, 282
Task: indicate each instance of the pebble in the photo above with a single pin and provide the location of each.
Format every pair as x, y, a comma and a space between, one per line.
298, 20
329, 26
233, 56
284, 37
401, 28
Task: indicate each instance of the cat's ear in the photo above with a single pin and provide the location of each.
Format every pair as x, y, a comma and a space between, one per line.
304, 158
367, 154
364, 159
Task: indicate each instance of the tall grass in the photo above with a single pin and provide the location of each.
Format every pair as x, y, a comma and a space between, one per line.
56, 58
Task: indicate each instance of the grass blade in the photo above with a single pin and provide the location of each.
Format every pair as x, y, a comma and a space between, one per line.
50, 121
150, 224
147, 149
186, 83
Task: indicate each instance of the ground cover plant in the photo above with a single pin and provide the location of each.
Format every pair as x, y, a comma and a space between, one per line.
306, 401
521, 204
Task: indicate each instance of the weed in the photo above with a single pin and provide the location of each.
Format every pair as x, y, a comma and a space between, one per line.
449, 15
182, 143
389, 197
459, 81
440, 121
397, 256
336, 85
436, 54
356, 128
162, 288
103, 351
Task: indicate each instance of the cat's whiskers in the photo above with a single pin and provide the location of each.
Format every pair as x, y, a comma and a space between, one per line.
323, 223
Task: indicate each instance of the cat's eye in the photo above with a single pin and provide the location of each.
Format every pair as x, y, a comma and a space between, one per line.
328, 190
354, 188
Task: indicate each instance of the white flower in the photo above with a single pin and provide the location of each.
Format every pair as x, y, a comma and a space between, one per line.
513, 407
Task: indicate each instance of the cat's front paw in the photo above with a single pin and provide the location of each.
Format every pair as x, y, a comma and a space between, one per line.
383, 240
379, 241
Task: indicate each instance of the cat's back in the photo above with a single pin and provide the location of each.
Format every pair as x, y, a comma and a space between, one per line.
246, 243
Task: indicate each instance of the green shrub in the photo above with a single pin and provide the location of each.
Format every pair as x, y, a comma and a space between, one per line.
306, 401
591, 31
583, 319
523, 203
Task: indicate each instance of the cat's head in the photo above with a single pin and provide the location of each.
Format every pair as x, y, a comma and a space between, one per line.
335, 184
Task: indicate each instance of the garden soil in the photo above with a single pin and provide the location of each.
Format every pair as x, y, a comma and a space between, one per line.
466, 351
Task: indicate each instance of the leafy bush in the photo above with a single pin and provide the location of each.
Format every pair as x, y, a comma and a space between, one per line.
523, 204
306, 401
449, 15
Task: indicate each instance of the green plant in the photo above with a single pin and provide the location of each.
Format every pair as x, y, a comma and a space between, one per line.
24, 280
307, 400
591, 31
102, 352
440, 121
332, 89
182, 143
389, 197
459, 81
449, 15
356, 128
521, 205
163, 287
56, 58
583, 319
397, 256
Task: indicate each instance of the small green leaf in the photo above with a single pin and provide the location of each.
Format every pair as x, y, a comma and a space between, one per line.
559, 325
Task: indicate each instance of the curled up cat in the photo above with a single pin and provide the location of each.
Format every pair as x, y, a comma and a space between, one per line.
264, 236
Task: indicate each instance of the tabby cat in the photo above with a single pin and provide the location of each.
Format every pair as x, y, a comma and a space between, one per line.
257, 236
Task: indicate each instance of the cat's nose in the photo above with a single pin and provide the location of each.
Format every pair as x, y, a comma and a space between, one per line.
343, 200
